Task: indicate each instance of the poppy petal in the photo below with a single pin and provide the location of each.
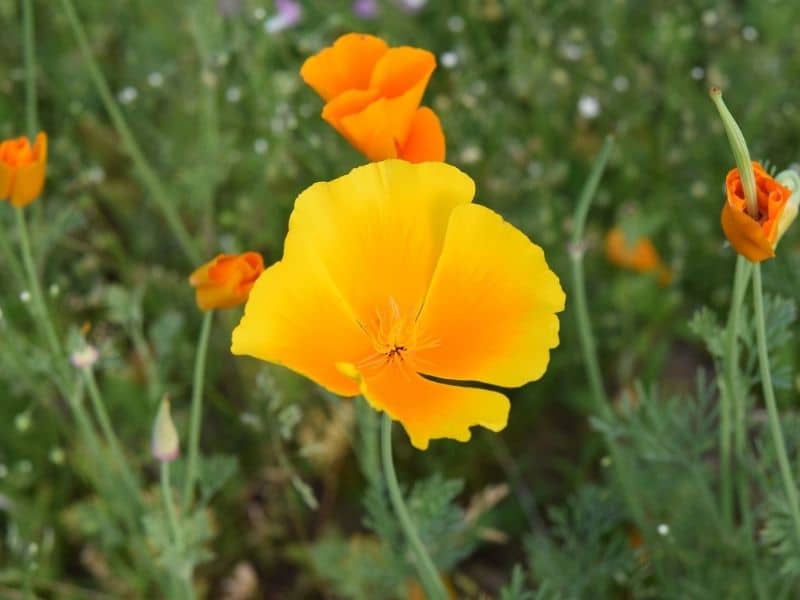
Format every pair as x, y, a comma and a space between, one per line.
429, 410
347, 65
379, 231
425, 141
489, 315
745, 234
295, 317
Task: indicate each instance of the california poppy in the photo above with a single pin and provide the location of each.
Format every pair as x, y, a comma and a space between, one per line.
22, 169
754, 238
382, 284
638, 255
373, 94
226, 280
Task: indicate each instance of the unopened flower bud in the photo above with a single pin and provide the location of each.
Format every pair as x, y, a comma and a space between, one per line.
165, 444
790, 179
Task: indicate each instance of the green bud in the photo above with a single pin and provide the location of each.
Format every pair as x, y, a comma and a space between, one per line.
165, 445
740, 152
790, 179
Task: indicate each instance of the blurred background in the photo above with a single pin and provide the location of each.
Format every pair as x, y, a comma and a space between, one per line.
526, 91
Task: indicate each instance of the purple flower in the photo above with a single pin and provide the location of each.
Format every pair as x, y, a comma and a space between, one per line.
289, 13
366, 9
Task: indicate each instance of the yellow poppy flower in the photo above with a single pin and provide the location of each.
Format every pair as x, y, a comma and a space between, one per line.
390, 273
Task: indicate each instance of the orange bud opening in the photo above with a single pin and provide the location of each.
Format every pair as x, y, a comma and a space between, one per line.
753, 238
373, 94
225, 281
22, 169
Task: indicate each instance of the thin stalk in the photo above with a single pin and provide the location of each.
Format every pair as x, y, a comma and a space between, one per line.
31, 121
197, 412
601, 405
772, 406
431, 582
184, 578
732, 409
43, 320
108, 431
148, 176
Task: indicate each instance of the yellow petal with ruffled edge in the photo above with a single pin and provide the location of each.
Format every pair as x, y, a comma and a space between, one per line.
490, 314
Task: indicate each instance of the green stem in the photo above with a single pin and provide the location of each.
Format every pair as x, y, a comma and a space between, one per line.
732, 409
39, 307
601, 404
149, 178
184, 578
197, 412
431, 582
772, 406
108, 431
30, 68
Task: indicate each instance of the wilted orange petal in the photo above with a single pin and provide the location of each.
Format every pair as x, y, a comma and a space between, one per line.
490, 315
429, 410
745, 234
295, 317
425, 141
379, 231
347, 65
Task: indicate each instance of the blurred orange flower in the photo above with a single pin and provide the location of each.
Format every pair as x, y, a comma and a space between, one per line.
382, 282
372, 94
755, 239
22, 169
226, 280
638, 255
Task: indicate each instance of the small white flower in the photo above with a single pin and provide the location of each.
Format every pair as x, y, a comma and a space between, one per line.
128, 94
260, 146
588, 107
233, 94
25, 296
663, 529
155, 79
449, 59
697, 73
85, 357
750, 33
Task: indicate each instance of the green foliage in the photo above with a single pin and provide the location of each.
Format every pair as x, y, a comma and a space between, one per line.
234, 135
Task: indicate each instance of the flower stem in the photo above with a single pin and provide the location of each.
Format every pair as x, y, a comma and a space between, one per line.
31, 124
43, 320
434, 589
184, 578
733, 401
769, 397
148, 176
197, 412
601, 405
108, 431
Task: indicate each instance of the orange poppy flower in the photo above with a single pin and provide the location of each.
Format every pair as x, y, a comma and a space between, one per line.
373, 94
755, 239
22, 169
382, 282
640, 255
226, 280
